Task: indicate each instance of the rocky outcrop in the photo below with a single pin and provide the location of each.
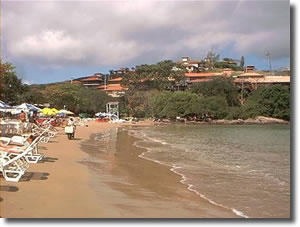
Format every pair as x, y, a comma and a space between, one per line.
257, 120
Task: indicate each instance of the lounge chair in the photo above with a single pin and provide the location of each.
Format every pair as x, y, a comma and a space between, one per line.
13, 163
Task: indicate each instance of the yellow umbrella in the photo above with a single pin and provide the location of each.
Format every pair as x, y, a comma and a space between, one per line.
48, 111
54, 110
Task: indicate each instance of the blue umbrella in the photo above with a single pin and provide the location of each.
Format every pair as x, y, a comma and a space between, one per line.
3, 105
26, 106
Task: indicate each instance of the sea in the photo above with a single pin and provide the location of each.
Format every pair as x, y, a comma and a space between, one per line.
243, 168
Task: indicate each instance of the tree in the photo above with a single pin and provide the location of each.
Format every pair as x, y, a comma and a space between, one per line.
214, 107
75, 97
218, 87
179, 103
158, 102
33, 95
269, 101
242, 62
160, 76
211, 59
11, 87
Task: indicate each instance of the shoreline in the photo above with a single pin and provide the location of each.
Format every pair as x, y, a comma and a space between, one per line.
63, 187
260, 120
168, 199
172, 168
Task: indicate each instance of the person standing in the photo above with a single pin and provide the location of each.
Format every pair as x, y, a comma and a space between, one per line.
22, 116
71, 123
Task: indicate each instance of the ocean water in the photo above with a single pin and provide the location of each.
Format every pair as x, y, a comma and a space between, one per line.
244, 168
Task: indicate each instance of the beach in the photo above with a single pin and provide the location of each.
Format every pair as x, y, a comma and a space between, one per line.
66, 184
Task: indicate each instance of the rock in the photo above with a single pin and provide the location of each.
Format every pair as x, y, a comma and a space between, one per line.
270, 120
251, 121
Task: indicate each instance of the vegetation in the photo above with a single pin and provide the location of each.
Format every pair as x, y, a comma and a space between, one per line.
242, 62
219, 87
151, 93
74, 97
211, 60
272, 101
11, 87
160, 76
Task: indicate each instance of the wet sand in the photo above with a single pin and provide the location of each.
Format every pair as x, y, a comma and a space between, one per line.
77, 182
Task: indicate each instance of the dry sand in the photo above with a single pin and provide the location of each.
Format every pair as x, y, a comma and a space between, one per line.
64, 186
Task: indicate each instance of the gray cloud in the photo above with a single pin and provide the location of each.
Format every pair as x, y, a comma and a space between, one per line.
127, 32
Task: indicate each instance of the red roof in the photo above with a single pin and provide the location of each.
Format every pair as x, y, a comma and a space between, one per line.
111, 87
114, 88
202, 74
116, 79
92, 79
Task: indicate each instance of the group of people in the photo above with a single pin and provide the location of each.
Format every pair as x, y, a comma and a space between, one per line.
31, 116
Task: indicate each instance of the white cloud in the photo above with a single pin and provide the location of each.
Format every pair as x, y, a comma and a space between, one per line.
48, 44
125, 32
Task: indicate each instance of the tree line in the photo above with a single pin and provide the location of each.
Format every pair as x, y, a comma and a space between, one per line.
153, 93
74, 97
216, 99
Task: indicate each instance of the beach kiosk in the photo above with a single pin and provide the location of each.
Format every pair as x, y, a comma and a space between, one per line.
112, 109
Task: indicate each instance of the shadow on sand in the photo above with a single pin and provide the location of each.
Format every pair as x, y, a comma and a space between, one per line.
48, 159
7, 188
28, 176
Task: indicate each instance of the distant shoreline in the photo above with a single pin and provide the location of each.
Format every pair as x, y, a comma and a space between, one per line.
250, 121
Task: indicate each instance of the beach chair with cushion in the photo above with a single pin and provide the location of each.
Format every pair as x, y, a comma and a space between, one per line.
13, 164
33, 156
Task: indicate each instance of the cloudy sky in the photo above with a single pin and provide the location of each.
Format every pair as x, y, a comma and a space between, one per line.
57, 40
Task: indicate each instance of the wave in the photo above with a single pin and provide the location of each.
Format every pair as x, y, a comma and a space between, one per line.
190, 187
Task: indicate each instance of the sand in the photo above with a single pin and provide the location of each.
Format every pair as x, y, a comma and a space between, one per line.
64, 185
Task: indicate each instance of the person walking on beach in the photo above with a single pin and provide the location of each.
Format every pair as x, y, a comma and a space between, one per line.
71, 123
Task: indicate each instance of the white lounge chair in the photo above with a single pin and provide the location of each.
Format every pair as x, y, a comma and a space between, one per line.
13, 164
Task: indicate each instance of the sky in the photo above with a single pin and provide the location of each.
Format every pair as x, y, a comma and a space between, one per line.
50, 41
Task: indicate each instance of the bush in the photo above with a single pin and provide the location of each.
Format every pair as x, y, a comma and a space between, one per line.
269, 101
237, 112
214, 107
218, 87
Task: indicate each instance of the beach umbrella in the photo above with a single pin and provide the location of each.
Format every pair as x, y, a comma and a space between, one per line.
48, 111
61, 114
66, 112
4, 106
55, 110
27, 107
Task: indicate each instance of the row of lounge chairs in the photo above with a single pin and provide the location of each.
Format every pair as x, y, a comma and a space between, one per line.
15, 160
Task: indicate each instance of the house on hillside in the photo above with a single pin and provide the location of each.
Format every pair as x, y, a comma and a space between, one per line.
201, 77
119, 72
113, 87
90, 81
192, 65
253, 80
249, 69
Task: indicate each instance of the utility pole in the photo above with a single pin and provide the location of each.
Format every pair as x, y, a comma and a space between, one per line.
268, 55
